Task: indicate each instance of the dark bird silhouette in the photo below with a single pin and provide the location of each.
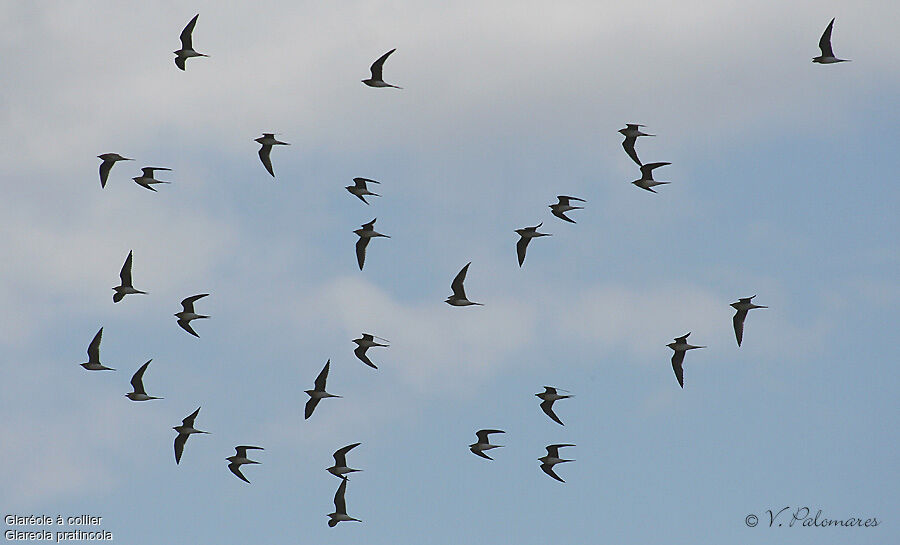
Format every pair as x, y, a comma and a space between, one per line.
125, 287
184, 431
188, 314
525, 236
484, 443
458, 297
742, 306
360, 189
548, 396
364, 343
239, 459
109, 159
559, 209
146, 179
680, 346
137, 384
267, 140
552, 458
376, 80
318, 392
340, 467
827, 56
93, 351
646, 180
340, 507
187, 47
366, 234
631, 132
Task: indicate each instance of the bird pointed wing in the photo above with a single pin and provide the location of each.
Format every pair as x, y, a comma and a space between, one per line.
457, 285
677, 361
647, 170
480, 453
339, 505
236, 469
360, 353
186, 325
340, 455
264, 152
241, 450
738, 322
483, 435
93, 350
179, 446
179, 62
125, 273
825, 41
323, 376
547, 407
548, 469
361, 250
379, 64
105, 167
628, 144
521, 246
561, 215
137, 380
188, 303
186, 42
310, 407
189, 419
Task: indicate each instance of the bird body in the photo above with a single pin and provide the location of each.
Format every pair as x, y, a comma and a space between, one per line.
377, 80
340, 467
318, 392
631, 132
137, 384
266, 141
525, 236
484, 443
552, 458
239, 459
458, 297
187, 314
646, 180
146, 179
360, 190
125, 287
187, 47
93, 351
109, 159
742, 306
679, 347
185, 430
340, 507
366, 233
559, 209
548, 397
827, 56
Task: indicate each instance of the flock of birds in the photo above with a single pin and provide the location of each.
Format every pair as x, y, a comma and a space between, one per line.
366, 233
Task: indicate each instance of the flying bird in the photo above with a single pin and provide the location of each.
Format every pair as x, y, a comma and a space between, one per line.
184, 431
631, 133
125, 287
147, 180
239, 459
559, 209
364, 343
548, 396
267, 140
318, 392
827, 56
742, 306
525, 236
109, 159
188, 314
93, 351
340, 467
647, 182
484, 443
137, 384
376, 79
552, 458
360, 189
187, 48
365, 235
458, 298
680, 346
340, 507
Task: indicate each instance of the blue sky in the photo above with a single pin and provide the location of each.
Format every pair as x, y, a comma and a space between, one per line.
783, 185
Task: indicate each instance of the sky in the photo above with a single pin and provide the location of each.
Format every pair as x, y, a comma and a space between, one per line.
783, 184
